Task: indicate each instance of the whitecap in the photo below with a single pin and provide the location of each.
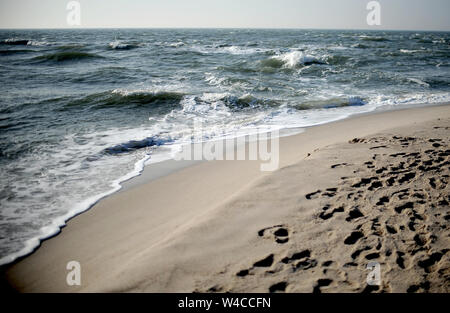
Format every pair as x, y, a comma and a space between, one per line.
410, 51
295, 58
118, 45
176, 44
418, 81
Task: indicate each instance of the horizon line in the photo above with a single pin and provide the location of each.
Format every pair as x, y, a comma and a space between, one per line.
240, 28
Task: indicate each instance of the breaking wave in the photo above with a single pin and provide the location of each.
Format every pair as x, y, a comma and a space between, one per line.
118, 45
23, 42
373, 38
15, 42
119, 98
331, 103
291, 60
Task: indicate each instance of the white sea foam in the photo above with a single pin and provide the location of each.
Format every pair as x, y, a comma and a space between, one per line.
411, 99
58, 222
418, 81
175, 44
27, 42
295, 58
117, 45
410, 51
224, 49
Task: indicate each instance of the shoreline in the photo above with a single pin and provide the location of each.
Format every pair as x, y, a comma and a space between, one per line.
193, 181
144, 173
167, 167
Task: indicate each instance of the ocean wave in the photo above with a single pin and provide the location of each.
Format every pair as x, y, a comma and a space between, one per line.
107, 74
441, 64
230, 49
291, 60
66, 56
248, 101
23, 42
336, 59
15, 42
215, 80
438, 82
75, 47
12, 52
411, 51
120, 98
237, 50
373, 38
175, 44
359, 46
440, 40
418, 82
411, 98
38, 43
118, 45
133, 145
239, 68
214, 101
331, 103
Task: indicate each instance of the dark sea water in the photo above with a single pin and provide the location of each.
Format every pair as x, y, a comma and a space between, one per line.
83, 110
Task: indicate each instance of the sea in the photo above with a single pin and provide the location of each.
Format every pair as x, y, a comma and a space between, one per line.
83, 110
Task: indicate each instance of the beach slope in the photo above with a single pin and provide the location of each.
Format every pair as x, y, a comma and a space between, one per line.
371, 188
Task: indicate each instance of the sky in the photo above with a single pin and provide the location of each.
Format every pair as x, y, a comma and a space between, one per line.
322, 14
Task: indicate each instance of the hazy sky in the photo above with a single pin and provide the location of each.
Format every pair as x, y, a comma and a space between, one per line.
341, 14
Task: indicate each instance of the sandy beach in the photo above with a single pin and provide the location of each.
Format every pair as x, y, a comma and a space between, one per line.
370, 188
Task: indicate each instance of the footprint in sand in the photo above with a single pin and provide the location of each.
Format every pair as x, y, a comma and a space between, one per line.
279, 233
353, 238
278, 287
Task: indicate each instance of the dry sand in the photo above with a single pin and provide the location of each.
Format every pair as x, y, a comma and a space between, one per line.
336, 204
